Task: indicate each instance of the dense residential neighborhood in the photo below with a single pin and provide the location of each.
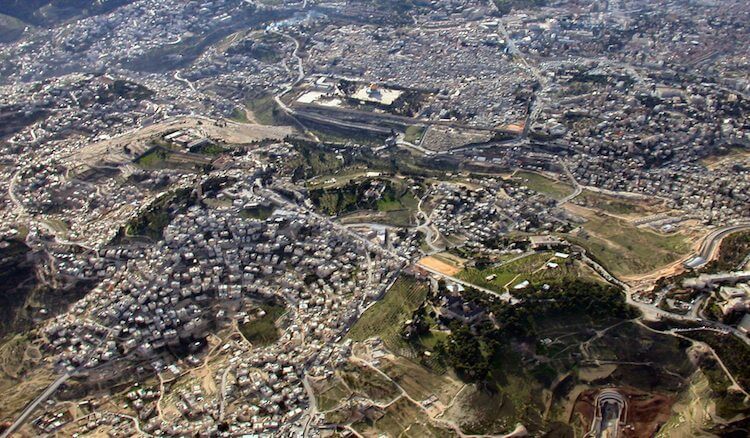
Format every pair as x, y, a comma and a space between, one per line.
362, 218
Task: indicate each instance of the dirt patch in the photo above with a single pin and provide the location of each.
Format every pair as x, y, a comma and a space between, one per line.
439, 265
646, 412
111, 150
590, 374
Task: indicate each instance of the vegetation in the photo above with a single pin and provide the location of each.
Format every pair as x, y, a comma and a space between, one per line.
12, 353
625, 249
266, 111
509, 395
725, 154
419, 382
153, 159
733, 352
332, 159
386, 318
129, 90
209, 149
265, 48
11, 28
315, 160
414, 133
495, 278
533, 268
163, 156
729, 403
239, 115
330, 396
341, 136
45, 12
170, 57
733, 251
596, 300
263, 331
368, 382
464, 354
472, 354
611, 204
366, 194
151, 223
400, 416
546, 186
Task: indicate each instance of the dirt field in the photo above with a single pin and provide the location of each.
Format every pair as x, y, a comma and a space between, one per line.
630, 252
440, 265
111, 150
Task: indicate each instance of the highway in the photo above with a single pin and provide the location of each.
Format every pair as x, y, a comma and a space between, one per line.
24, 415
711, 243
35, 404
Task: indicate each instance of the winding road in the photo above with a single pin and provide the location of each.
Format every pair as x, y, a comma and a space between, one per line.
578, 188
711, 243
431, 235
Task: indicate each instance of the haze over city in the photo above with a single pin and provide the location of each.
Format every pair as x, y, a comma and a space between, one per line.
384, 218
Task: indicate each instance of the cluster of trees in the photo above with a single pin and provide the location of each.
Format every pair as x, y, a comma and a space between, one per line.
733, 352
734, 249
259, 50
463, 353
470, 350
352, 196
152, 222
409, 103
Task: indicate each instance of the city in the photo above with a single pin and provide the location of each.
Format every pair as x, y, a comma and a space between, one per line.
375, 218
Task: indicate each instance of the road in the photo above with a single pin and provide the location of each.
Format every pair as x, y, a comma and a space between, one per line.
405, 395
178, 78
12, 194
312, 410
654, 313
505, 297
35, 404
431, 235
676, 332
578, 188
400, 141
289, 87
535, 109
223, 392
711, 243
41, 398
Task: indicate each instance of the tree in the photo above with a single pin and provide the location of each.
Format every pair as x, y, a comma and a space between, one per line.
464, 354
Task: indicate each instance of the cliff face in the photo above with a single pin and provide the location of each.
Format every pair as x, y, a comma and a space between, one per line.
25, 301
17, 280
